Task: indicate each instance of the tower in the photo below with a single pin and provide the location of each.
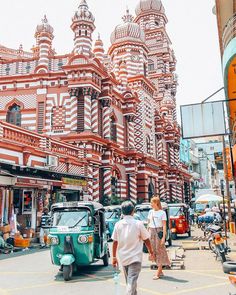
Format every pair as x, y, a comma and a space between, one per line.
83, 27
161, 59
44, 37
128, 44
98, 49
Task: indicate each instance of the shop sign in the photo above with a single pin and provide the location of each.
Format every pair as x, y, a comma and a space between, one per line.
70, 183
32, 181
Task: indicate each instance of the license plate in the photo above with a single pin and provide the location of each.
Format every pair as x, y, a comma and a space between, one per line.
63, 228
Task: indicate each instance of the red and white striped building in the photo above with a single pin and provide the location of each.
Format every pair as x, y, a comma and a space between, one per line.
117, 107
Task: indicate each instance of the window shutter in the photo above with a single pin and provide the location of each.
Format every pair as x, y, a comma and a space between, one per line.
80, 119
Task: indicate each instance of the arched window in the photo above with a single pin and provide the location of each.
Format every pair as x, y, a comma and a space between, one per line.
150, 65
148, 143
113, 129
14, 115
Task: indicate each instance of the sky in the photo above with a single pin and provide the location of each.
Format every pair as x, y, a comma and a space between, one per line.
192, 28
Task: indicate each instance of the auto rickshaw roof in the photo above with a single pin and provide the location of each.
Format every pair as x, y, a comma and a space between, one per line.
112, 207
81, 204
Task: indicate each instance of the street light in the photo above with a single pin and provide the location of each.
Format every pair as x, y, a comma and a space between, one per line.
224, 213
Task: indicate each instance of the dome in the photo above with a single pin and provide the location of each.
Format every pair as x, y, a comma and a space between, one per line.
44, 27
146, 5
83, 13
128, 31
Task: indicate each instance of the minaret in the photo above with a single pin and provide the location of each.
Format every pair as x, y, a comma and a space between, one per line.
123, 75
44, 37
99, 49
83, 27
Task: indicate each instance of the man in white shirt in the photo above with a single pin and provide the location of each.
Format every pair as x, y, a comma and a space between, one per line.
128, 237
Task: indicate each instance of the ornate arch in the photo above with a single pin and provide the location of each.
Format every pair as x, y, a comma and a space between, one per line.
16, 102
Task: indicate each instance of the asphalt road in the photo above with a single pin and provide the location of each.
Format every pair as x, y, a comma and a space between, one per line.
34, 274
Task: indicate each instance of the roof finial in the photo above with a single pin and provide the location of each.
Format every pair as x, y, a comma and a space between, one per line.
83, 3
45, 20
127, 18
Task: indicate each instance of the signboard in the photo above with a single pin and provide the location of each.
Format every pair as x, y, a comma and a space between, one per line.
73, 184
203, 119
228, 172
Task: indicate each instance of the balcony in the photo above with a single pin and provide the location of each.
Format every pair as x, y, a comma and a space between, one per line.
229, 31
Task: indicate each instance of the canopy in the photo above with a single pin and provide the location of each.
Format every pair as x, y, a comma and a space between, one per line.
207, 198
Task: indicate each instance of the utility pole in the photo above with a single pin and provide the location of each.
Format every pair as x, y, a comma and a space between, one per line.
226, 179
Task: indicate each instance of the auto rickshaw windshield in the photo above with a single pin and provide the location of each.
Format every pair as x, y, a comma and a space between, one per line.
175, 211
71, 218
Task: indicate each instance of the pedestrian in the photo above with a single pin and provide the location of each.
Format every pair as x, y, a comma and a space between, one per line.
157, 226
191, 215
43, 224
207, 209
128, 237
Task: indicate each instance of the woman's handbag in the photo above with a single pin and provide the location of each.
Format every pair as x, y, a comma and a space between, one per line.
160, 233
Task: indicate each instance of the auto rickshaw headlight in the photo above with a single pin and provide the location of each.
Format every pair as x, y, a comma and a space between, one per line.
54, 240
83, 239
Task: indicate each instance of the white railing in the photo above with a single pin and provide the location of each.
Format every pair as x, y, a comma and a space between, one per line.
229, 31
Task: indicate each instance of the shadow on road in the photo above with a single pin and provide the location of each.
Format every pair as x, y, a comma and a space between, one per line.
172, 279
90, 273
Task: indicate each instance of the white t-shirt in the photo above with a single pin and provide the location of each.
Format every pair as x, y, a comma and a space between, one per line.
130, 234
158, 217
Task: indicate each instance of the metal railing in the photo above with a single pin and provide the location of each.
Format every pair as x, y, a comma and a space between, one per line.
229, 31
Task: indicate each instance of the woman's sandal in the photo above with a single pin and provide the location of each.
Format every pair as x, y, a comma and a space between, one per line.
156, 278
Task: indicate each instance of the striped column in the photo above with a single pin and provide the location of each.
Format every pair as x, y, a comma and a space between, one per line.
87, 109
160, 150
162, 190
95, 114
157, 186
90, 181
107, 181
176, 152
131, 141
133, 187
74, 108
106, 118
96, 183
172, 155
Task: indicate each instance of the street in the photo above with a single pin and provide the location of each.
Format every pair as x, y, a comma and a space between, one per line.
33, 274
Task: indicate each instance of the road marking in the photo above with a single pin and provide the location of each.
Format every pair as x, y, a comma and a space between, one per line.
197, 289
206, 275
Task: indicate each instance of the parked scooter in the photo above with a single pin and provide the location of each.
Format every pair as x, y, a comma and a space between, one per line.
217, 245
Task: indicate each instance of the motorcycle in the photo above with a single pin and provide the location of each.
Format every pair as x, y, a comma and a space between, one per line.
217, 244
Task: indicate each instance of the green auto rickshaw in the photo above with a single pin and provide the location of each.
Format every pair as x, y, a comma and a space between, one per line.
141, 213
77, 235
112, 215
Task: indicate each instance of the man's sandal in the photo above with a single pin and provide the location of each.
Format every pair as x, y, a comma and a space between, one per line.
156, 278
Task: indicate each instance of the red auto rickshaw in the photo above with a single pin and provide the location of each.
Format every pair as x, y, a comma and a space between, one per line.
179, 220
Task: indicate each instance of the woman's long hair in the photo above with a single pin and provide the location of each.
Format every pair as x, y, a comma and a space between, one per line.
156, 200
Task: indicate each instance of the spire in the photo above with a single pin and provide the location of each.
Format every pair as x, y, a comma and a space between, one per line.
83, 4
98, 49
83, 27
128, 18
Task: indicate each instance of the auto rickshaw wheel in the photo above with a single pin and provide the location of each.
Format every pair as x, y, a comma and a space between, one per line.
189, 233
170, 242
67, 272
105, 259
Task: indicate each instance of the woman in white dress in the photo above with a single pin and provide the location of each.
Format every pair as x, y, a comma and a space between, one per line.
157, 226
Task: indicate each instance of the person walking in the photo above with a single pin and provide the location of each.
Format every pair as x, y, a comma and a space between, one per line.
157, 225
191, 215
128, 237
43, 230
